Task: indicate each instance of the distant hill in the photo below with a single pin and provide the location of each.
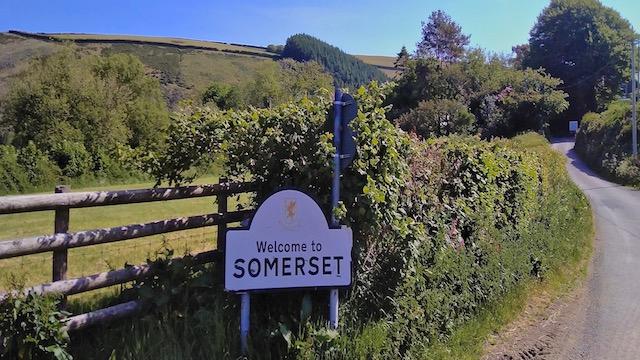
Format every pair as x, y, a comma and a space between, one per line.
184, 67
347, 70
150, 40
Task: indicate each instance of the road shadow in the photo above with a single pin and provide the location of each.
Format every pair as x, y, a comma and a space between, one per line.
574, 158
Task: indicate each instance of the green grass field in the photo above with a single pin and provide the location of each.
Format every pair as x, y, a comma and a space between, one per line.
35, 269
382, 62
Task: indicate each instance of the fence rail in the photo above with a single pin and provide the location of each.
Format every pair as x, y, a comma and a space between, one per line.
39, 244
62, 240
41, 202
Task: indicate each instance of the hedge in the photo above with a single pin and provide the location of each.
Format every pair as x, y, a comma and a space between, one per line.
441, 228
604, 143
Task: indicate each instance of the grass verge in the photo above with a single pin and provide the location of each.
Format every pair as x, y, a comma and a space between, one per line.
469, 341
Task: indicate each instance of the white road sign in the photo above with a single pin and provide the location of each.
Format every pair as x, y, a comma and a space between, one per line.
288, 245
573, 126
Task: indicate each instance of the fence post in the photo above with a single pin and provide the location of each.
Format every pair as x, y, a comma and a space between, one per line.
221, 241
222, 209
61, 225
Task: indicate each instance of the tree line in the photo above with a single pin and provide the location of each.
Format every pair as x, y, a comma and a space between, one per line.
76, 115
67, 115
348, 71
576, 61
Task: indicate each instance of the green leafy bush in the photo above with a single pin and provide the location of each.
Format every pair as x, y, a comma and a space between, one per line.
276, 49
13, 178
604, 142
78, 109
287, 80
223, 96
434, 118
31, 328
441, 228
72, 158
26, 169
37, 166
505, 101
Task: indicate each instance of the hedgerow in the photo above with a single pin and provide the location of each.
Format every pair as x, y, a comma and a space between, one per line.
604, 142
25, 169
441, 227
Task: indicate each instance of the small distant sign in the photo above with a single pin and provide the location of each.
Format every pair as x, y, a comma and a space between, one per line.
573, 126
288, 245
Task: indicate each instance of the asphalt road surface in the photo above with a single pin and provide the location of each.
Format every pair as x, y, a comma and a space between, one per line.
608, 325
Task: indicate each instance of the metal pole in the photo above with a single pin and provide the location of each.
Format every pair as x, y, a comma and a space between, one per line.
334, 300
245, 310
634, 121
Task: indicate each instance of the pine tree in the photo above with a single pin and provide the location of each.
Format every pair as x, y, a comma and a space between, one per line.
403, 57
442, 38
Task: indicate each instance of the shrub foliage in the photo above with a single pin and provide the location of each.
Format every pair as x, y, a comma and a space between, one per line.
588, 46
440, 227
503, 100
604, 142
78, 109
31, 328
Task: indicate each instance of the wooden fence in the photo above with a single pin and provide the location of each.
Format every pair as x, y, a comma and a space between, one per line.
62, 240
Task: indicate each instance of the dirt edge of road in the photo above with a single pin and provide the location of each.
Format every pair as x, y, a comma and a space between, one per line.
538, 331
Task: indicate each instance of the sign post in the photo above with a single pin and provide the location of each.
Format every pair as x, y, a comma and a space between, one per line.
245, 312
334, 299
573, 127
634, 116
288, 245
345, 110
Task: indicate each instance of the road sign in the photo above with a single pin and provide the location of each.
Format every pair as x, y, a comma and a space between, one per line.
573, 126
288, 245
348, 145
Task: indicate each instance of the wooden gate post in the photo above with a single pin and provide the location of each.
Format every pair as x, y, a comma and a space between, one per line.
61, 225
222, 209
221, 241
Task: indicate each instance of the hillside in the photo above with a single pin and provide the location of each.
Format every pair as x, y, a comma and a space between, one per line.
184, 67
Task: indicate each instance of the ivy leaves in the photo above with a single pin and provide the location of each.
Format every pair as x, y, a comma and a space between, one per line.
31, 328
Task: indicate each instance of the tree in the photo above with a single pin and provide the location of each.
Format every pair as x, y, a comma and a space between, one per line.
434, 118
585, 44
520, 52
80, 109
276, 49
266, 89
224, 96
346, 69
442, 38
276, 83
402, 58
304, 78
427, 79
504, 100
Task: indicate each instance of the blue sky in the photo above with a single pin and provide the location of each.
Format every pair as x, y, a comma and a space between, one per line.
358, 27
